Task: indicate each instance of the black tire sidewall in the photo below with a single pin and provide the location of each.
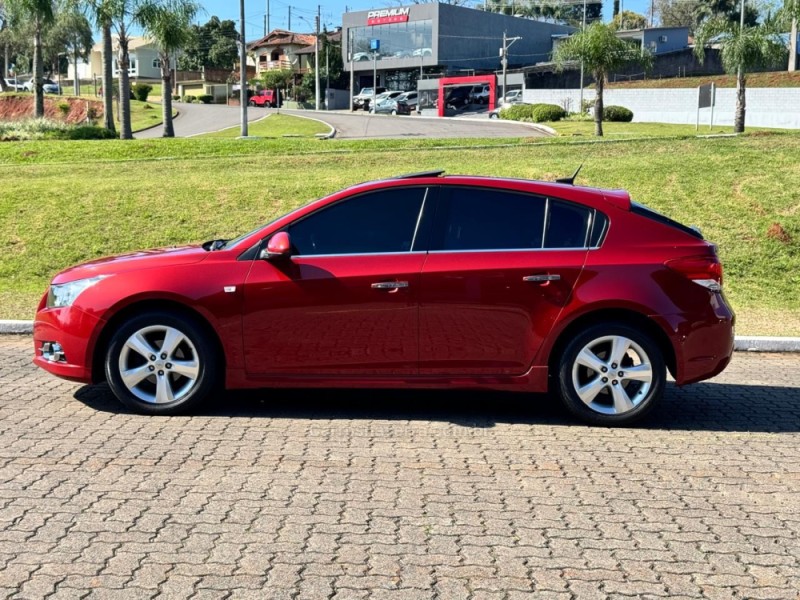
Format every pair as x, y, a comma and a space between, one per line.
207, 378
570, 397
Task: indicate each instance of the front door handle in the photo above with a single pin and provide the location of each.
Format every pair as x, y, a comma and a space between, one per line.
542, 278
389, 285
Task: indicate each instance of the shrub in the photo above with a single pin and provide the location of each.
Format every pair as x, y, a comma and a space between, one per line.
535, 113
141, 91
63, 108
188, 99
92, 113
205, 98
617, 113
42, 129
176, 97
548, 112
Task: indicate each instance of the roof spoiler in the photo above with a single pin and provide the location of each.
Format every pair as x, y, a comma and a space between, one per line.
420, 174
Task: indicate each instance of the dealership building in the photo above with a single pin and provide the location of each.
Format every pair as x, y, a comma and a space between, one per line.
400, 43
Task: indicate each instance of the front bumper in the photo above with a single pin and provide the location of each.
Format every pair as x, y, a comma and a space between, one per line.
73, 330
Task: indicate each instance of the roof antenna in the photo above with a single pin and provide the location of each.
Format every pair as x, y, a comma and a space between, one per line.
570, 180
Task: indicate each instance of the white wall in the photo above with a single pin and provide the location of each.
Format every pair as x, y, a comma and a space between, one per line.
766, 107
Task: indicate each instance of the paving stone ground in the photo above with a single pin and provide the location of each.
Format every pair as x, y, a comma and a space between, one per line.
371, 494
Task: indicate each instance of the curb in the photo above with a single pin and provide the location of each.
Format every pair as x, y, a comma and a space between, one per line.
741, 343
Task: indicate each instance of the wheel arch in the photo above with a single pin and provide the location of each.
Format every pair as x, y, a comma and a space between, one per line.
607, 315
142, 306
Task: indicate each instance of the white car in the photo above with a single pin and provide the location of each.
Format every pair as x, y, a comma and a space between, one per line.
512, 97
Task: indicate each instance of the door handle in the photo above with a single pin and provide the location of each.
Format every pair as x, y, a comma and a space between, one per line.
542, 278
389, 285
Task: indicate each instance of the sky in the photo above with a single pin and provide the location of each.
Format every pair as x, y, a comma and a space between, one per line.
304, 11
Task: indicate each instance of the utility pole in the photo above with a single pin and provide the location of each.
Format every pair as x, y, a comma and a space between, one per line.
583, 29
350, 61
507, 41
290, 19
242, 70
316, 59
267, 33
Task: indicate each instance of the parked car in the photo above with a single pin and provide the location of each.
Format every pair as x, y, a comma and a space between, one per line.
457, 97
495, 114
361, 56
15, 85
512, 97
265, 98
410, 99
385, 102
365, 95
51, 88
479, 94
417, 281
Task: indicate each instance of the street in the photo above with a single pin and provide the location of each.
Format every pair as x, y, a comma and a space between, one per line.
399, 494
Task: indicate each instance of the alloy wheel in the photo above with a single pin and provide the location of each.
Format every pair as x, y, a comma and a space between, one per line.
159, 364
612, 375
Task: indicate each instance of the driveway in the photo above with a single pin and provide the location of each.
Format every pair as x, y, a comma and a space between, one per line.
194, 119
360, 125
399, 494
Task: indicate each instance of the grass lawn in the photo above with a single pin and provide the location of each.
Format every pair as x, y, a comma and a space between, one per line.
754, 80
144, 115
275, 126
742, 191
621, 130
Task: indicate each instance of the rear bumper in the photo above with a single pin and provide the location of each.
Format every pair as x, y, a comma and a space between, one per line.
72, 329
703, 343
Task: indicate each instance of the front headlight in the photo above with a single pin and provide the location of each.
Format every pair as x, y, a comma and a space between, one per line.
65, 293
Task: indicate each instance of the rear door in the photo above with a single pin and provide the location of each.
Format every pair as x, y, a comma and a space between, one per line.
501, 266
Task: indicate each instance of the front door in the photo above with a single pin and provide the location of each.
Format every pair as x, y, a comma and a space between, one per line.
346, 301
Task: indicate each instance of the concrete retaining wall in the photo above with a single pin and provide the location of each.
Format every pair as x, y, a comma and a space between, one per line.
766, 107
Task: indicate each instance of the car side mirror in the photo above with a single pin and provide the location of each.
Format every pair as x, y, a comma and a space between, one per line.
279, 246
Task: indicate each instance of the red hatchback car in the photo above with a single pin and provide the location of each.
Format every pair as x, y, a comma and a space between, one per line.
420, 281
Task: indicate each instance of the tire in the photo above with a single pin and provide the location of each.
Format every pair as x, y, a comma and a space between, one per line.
251, 103
394, 111
620, 399
161, 383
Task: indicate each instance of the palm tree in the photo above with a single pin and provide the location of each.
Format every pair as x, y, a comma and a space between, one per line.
119, 14
600, 51
40, 14
791, 9
72, 32
168, 24
743, 48
101, 12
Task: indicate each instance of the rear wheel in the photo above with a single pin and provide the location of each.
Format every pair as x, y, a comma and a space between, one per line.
611, 374
394, 111
161, 363
251, 103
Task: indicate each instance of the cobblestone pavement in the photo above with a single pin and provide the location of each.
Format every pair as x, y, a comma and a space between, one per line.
399, 495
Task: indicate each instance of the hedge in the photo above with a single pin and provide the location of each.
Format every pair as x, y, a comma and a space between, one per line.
536, 113
617, 113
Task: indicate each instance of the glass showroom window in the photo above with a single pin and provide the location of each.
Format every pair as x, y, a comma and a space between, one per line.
398, 40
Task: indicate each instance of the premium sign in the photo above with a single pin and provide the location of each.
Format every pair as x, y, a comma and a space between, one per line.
387, 15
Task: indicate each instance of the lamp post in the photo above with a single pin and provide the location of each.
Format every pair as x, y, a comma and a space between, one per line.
583, 29
316, 57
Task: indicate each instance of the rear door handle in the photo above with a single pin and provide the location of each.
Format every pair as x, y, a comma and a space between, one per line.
542, 278
389, 285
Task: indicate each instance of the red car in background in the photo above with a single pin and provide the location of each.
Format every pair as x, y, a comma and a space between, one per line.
265, 98
420, 281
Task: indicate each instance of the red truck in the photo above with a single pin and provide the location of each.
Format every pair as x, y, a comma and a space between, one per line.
264, 98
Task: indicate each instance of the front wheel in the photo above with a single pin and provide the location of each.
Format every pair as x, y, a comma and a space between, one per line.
251, 103
161, 363
611, 374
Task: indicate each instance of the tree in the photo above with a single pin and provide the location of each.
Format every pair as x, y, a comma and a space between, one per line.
120, 14
727, 9
743, 49
627, 19
168, 24
678, 13
71, 32
100, 11
559, 11
40, 14
601, 51
791, 13
211, 45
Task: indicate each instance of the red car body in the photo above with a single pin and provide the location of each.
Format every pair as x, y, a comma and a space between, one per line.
472, 319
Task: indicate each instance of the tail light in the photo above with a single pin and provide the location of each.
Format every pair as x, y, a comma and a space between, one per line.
702, 270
